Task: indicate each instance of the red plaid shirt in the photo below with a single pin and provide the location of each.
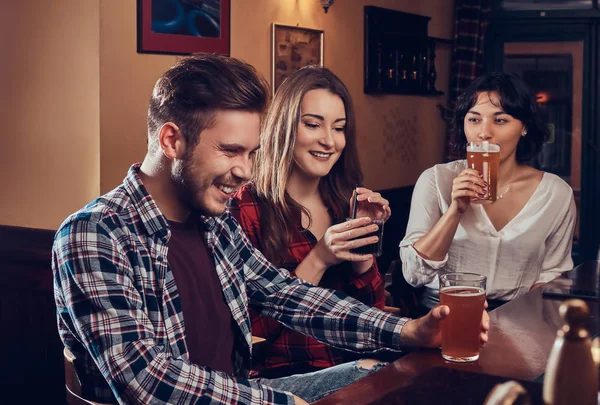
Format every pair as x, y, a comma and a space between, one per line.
286, 351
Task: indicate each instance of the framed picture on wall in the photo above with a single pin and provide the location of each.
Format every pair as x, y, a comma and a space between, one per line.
183, 26
293, 48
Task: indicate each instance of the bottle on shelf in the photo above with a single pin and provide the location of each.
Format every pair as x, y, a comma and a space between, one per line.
379, 66
403, 73
414, 73
390, 71
432, 74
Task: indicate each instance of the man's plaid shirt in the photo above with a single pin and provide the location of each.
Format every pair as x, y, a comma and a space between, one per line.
119, 312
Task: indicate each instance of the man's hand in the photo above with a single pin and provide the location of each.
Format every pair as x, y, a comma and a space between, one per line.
299, 401
426, 331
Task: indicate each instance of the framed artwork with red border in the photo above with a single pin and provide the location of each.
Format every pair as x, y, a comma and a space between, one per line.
183, 26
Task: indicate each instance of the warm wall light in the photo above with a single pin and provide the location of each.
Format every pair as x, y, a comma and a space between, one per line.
326, 4
542, 97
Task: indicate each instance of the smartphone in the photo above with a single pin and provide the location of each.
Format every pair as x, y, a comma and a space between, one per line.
565, 292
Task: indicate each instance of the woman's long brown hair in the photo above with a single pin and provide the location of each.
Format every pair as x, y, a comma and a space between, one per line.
273, 164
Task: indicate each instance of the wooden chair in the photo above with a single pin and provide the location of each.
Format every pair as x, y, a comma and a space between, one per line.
72, 383
393, 310
405, 296
257, 340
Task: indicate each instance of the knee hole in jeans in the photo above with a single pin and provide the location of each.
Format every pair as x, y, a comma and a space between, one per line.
367, 364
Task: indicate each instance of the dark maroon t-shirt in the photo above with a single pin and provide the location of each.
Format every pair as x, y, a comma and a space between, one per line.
208, 320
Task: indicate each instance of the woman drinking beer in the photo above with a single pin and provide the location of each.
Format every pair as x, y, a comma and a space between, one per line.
521, 240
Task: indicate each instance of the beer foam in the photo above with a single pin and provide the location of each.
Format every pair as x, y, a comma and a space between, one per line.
452, 291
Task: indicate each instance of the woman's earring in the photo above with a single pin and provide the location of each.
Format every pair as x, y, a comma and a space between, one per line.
524, 132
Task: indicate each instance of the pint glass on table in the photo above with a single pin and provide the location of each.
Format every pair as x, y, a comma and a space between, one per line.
464, 293
485, 158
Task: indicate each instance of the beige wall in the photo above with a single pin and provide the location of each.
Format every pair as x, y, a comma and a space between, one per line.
92, 108
126, 82
49, 108
415, 132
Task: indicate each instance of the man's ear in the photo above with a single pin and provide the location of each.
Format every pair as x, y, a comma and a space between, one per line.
171, 141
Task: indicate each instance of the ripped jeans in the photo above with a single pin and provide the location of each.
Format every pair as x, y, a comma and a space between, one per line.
313, 386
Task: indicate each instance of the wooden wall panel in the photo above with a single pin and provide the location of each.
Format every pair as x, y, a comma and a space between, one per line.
32, 369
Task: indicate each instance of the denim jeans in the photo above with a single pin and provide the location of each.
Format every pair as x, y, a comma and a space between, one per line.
314, 386
430, 298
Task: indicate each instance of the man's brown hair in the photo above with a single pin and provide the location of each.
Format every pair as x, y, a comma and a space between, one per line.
190, 93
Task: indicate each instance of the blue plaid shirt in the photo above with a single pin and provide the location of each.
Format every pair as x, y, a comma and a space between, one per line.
119, 311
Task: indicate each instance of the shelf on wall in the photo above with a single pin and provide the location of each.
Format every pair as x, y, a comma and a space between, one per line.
399, 54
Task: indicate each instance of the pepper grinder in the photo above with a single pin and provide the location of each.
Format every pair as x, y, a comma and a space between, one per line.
571, 374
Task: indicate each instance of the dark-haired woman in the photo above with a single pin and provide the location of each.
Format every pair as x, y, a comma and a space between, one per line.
295, 211
520, 241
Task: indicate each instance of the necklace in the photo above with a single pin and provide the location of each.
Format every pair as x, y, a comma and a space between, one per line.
500, 196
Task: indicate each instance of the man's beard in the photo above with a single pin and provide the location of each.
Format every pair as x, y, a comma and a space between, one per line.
191, 190
187, 184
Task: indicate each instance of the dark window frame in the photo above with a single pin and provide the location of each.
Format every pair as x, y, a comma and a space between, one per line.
499, 13
563, 25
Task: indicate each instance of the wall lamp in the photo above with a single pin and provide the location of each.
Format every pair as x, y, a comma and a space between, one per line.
326, 4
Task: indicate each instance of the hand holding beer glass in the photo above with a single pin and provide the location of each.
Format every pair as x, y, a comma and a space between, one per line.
464, 294
485, 158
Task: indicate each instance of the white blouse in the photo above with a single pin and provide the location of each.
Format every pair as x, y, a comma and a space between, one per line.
534, 247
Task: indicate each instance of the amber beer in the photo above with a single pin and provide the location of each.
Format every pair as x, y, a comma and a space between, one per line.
464, 294
485, 158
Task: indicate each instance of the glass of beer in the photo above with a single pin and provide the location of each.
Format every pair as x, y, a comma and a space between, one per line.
485, 158
375, 249
464, 293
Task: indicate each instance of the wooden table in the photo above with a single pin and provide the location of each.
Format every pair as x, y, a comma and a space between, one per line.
521, 336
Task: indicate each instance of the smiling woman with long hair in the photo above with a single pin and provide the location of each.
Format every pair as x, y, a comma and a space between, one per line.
295, 210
